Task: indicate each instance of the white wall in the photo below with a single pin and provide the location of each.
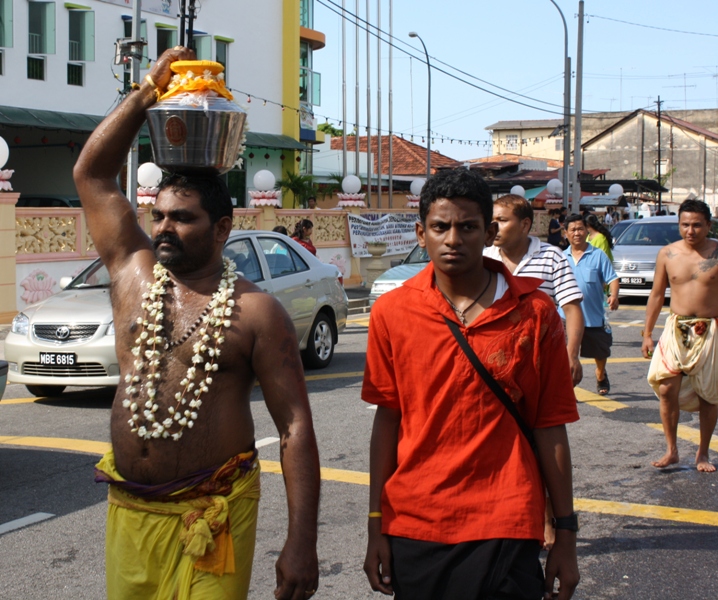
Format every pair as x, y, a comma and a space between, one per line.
254, 63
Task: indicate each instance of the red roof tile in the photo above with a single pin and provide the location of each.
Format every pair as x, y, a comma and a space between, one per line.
408, 158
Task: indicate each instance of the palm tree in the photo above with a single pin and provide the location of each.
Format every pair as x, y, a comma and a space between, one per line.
301, 186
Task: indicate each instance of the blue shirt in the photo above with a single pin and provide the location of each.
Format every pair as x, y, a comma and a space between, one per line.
593, 272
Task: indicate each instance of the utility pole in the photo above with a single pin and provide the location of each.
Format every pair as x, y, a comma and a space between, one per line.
658, 166
577, 159
369, 173
378, 103
136, 57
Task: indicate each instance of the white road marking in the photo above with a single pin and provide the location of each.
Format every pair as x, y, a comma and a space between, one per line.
24, 522
631, 324
266, 441
371, 407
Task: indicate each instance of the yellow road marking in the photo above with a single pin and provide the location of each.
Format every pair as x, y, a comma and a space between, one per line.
689, 434
641, 511
647, 511
602, 402
334, 376
364, 321
590, 361
19, 401
88, 446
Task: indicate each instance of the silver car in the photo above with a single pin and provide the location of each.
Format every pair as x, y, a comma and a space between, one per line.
396, 276
635, 252
69, 338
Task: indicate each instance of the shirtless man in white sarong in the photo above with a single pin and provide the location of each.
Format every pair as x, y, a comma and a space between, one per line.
683, 371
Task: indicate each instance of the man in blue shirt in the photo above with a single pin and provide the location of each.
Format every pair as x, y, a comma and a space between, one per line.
594, 272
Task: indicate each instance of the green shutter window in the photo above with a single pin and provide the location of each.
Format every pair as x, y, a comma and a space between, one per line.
41, 27
223, 56
166, 39
5, 23
82, 35
202, 47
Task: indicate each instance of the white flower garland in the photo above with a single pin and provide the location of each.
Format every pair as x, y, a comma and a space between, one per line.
147, 353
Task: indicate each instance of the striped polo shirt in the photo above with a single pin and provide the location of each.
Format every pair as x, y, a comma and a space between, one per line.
546, 262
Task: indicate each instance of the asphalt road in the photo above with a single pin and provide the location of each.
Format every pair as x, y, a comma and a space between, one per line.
646, 534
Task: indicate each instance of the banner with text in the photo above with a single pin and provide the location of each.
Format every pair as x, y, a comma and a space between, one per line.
396, 230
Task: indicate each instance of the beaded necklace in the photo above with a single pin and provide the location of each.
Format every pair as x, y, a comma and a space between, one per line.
148, 352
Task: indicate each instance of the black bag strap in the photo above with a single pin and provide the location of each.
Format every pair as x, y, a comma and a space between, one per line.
492, 383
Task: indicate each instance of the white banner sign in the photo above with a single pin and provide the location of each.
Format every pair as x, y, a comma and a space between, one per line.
396, 230
160, 7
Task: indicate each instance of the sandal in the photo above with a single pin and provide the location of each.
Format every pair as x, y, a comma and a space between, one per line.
603, 386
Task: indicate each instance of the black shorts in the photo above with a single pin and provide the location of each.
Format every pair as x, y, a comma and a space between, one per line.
596, 343
485, 570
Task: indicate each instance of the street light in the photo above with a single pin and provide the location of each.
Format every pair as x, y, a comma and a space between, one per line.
413, 34
566, 108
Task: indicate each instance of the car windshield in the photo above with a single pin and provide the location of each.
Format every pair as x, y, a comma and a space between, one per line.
417, 255
94, 276
649, 234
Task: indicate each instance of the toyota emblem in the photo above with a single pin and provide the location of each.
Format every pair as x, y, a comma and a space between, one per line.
62, 333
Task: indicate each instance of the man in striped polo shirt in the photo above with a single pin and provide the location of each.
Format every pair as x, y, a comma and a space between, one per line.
527, 256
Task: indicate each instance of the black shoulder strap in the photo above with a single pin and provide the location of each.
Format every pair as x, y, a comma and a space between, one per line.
492, 383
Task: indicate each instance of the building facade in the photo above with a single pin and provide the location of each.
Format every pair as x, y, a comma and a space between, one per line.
62, 68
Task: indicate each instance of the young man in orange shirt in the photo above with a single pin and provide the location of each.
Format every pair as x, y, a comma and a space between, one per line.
456, 501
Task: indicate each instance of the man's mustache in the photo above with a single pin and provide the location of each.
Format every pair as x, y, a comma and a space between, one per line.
168, 238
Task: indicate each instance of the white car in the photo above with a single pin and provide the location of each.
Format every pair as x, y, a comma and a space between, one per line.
397, 275
636, 251
69, 338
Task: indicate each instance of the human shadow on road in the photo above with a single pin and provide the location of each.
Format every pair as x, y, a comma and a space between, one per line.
92, 398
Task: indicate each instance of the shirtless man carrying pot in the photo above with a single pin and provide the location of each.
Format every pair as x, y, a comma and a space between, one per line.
684, 364
191, 338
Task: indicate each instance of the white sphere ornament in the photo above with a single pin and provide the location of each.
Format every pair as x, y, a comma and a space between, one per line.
4, 152
555, 187
351, 184
416, 186
264, 180
149, 175
518, 190
616, 189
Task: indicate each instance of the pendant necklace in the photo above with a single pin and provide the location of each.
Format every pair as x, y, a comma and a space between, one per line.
461, 313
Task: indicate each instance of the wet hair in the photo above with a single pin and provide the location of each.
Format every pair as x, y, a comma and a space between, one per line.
572, 219
456, 183
519, 206
214, 195
593, 222
300, 227
695, 206
281, 229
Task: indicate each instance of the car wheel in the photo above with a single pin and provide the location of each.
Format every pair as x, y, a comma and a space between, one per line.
320, 346
45, 390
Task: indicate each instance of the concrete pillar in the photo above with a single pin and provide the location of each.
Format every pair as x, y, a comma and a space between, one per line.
8, 305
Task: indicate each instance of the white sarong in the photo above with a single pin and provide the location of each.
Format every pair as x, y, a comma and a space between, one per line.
687, 346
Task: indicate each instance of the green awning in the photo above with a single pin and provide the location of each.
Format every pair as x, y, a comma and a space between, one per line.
273, 140
531, 194
12, 116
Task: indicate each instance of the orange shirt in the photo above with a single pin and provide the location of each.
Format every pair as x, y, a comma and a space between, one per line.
465, 471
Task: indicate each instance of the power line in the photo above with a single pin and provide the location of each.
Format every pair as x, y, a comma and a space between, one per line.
367, 27
651, 26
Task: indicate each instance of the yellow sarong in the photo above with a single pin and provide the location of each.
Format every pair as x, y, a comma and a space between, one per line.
688, 346
199, 548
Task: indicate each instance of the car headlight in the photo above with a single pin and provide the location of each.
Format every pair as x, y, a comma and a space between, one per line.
20, 324
110, 329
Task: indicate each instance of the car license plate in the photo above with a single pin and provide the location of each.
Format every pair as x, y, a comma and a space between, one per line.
64, 359
632, 280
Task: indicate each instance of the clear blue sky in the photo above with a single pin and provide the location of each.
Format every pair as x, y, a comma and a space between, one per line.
518, 45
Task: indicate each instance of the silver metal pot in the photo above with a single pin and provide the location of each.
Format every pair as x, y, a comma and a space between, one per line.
190, 139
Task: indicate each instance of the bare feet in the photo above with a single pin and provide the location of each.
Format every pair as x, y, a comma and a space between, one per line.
669, 458
703, 464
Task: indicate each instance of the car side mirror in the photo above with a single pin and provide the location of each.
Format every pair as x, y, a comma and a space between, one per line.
396, 262
64, 282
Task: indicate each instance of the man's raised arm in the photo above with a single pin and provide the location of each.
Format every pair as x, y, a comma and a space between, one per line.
110, 218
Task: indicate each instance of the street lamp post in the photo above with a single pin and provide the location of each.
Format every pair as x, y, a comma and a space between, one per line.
566, 108
413, 34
